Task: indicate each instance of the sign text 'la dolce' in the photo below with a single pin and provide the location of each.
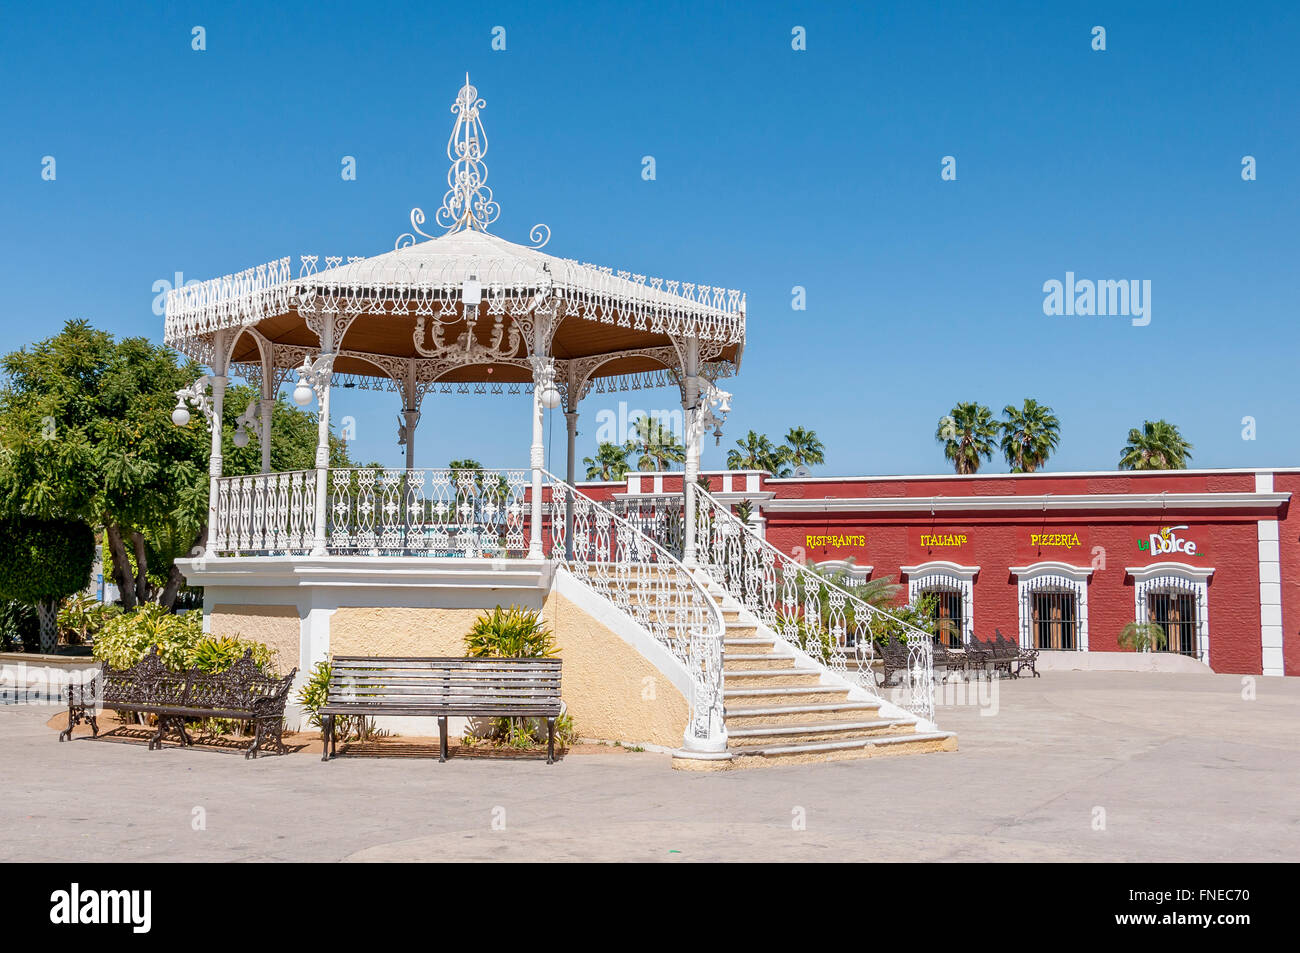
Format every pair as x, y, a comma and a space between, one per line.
1168, 542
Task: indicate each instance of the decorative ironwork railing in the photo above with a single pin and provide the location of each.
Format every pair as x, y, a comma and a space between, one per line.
661, 516
617, 558
265, 513
487, 513
440, 512
806, 609
376, 511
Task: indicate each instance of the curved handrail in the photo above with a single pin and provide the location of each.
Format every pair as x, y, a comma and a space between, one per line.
616, 559
804, 607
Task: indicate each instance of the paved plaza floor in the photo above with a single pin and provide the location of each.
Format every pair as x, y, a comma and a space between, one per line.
1086, 766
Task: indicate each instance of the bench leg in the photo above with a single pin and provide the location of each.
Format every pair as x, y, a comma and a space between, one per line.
326, 734
155, 742
550, 741
442, 739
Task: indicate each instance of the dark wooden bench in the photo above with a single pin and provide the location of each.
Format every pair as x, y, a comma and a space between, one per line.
363, 687
242, 692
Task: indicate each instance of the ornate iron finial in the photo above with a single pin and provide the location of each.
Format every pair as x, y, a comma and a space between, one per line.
468, 202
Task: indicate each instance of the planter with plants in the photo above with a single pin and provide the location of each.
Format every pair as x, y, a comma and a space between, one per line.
1142, 637
514, 633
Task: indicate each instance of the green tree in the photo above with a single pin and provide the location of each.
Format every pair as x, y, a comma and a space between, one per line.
1029, 435
41, 562
967, 435
1157, 446
86, 434
657, 445
610, 463
803, 448
757, 452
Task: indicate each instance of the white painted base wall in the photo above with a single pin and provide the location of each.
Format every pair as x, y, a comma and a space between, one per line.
1120, 662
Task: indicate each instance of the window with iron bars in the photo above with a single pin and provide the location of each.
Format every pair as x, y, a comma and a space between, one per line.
1175, 613
949, 617
1054, 619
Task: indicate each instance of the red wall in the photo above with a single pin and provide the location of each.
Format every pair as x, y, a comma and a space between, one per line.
1227, 540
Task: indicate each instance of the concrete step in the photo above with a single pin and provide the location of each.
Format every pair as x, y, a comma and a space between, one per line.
745, 695
746, 645
785, 735
774, 678
750, 716
868, 747
742, 630
753, 662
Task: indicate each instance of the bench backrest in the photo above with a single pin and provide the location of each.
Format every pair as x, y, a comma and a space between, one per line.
241, 687
529, 685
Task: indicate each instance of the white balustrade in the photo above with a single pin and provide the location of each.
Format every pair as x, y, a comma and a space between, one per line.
616, 558
805, 608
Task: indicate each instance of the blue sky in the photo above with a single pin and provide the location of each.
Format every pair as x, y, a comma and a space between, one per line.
775, 169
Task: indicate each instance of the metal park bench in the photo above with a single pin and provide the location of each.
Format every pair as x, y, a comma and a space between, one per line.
242, 693
1002, 655
1021, 658
443, 687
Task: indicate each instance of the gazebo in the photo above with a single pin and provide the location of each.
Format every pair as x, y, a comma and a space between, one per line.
464, 311
317, 559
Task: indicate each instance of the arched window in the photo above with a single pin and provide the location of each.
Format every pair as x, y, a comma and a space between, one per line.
1053, 601
1175, 596
951, 588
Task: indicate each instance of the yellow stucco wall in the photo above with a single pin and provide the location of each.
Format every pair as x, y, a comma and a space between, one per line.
277, 626
611, 689
358, 630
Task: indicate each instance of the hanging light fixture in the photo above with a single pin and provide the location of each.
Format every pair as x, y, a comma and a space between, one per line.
181, 415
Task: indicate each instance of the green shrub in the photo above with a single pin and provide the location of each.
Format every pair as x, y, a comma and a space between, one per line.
182, 644
82, 616
514, 633
20, 628
312, 697
1142, 637
510, 633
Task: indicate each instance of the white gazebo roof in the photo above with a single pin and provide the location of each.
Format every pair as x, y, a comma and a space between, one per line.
459, 307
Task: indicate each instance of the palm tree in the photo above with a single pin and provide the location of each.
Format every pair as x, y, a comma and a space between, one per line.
757, 452
1029, 435
610, 463
657, 444
967, 435
803, 448
1157, 446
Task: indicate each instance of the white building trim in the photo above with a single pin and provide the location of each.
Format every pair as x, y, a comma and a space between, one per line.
1270, 587
1180, 576
941, 574
1047, 502
854, 573
1052, 575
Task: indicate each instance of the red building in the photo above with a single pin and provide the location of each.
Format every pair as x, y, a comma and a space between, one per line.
1062, 560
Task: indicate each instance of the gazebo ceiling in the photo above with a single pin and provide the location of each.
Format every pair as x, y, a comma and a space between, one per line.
403, 314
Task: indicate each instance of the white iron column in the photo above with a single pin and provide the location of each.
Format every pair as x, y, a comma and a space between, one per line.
571, 476
537, 453
690, 414
268, 409
322, 388
220, 362
267, 406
